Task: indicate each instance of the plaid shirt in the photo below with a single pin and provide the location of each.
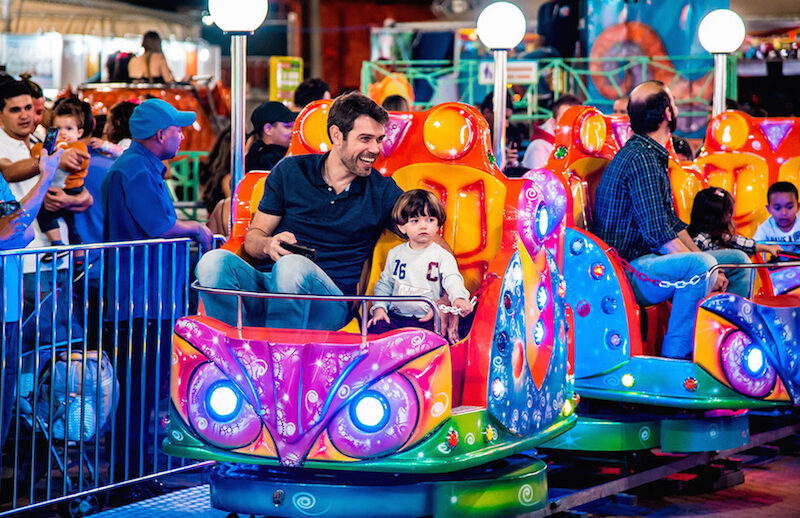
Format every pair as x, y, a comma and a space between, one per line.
738, 242
633, 209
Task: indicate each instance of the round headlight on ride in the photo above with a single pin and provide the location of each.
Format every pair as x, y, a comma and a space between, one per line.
370, 411
223, 401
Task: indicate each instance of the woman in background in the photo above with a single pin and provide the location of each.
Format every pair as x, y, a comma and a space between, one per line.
150, 67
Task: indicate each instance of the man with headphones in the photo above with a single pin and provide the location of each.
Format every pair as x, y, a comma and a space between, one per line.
634, 213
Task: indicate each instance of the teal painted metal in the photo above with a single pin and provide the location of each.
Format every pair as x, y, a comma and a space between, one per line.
676, 435
185, 179
660, 382
516, 486
606, 435
564, 76
706, 434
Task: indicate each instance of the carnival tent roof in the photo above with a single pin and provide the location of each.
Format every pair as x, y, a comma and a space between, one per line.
95, 17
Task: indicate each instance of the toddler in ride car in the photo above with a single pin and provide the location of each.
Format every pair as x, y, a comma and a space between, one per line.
418, 267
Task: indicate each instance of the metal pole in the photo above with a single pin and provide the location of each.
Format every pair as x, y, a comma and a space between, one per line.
720, 83
315, 23
500, 74
238, 78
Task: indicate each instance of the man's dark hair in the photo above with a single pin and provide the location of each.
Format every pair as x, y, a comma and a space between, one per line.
648, 113
310, 90
36, 90
348, 107
787, 187
566, 100
11, 89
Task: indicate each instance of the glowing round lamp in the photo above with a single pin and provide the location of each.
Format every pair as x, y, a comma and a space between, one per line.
721, 31
501, 25
238, 15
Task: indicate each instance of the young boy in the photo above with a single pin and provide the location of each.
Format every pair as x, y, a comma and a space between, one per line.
69, 119
417, 267
783, 224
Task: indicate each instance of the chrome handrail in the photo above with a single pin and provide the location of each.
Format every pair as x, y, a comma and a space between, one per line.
240, 294
746, 266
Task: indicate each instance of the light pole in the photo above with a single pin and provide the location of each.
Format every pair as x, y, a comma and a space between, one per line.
501, 26
721, 32
238, 18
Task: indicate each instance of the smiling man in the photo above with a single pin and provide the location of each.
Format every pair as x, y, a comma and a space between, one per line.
335, 203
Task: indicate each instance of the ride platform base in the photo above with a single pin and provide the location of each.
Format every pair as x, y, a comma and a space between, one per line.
515, 485
675, 435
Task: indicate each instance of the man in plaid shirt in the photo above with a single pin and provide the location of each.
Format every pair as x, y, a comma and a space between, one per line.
634, 213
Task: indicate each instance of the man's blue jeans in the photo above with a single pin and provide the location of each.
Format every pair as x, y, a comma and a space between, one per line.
679, 339
290, 274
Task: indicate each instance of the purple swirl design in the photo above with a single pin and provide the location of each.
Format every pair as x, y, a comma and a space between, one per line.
733, 359
241, 430
541, 186
403, 413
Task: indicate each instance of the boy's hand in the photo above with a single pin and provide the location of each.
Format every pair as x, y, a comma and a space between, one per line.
772, 250
378, 315
464, 306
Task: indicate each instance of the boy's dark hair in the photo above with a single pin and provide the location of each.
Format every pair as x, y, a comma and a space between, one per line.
682, 147
310, 90
348, 107
648, 113
11, 89
81, 110
415, 203
396, 103
712, 213
787, 187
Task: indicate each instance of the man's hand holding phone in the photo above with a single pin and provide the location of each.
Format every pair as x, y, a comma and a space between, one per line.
274, 250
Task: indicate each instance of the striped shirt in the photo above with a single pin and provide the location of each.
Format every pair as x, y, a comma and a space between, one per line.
634, 210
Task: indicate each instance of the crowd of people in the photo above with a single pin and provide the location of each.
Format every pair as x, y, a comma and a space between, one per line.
102, 180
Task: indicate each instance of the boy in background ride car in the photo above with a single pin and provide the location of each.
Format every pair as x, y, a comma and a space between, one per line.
783, 224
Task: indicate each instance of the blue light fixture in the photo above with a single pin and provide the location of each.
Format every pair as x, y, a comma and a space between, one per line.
370, 411
223, 401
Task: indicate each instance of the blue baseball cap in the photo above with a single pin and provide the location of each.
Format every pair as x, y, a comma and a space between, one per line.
153, 115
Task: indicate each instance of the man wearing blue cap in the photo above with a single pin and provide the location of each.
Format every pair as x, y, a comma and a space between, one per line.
137, 205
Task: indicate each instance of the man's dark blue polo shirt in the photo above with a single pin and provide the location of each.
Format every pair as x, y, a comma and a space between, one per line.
137, 205
344, 227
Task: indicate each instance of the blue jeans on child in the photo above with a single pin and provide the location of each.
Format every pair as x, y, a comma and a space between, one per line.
679, 339
290, 274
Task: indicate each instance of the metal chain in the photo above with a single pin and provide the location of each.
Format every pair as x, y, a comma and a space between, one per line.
695, 279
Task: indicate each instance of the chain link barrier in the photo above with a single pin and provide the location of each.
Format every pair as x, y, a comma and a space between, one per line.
694, 280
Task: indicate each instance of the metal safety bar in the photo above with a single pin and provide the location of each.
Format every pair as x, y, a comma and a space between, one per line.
364, 299
746, 266
84, 368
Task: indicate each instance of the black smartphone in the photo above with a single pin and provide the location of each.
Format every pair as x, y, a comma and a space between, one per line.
300, 250
9, 207
49, 143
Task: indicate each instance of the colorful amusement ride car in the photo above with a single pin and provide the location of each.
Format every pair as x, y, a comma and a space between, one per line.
405, 424
745, 350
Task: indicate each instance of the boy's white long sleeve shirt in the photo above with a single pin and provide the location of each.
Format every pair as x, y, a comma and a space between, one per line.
769, 231
426, 272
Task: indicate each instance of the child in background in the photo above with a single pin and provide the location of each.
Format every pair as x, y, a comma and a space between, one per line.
782, 224
69, 119
116, 133
712, 225
417, 267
